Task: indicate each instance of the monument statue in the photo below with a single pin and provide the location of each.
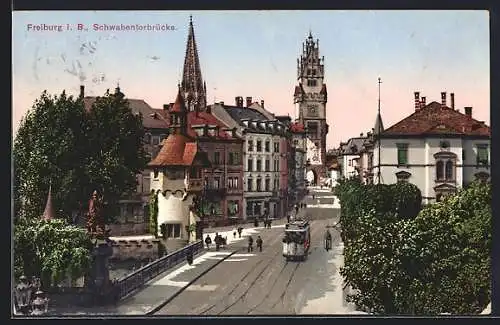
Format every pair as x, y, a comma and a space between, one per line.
95, 219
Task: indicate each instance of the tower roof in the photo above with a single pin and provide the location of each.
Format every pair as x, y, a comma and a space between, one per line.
179, 105
192, 85
48, 213
379, 125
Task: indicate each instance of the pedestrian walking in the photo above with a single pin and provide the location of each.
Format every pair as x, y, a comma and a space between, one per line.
217, 241
234, 233
240, 230
259, 243
208, 241
250, 244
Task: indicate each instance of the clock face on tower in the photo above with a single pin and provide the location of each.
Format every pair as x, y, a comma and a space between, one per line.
312, 110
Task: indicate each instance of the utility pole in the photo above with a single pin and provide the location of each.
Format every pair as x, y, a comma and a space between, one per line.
379, 177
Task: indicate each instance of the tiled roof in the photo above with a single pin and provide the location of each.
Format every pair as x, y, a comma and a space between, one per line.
149, 119
240, 113
173, 152
435, 120
202, 118
354, 146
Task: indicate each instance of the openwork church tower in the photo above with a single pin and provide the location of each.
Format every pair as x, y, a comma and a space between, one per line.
193, 87
310, 98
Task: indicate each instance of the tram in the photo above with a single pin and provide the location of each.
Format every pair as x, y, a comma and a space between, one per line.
297, 240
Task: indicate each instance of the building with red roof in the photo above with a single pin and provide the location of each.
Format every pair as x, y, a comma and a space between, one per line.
437, 147
176, 178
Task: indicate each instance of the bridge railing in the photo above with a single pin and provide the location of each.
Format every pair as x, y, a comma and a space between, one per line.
138, 278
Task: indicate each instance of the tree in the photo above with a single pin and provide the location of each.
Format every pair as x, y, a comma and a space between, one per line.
436, 262
51, 250
77, 151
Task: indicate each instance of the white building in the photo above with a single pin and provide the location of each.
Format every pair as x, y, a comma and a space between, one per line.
350, 154
437, 148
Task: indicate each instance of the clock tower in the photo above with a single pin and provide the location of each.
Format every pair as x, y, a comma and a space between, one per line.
310, 98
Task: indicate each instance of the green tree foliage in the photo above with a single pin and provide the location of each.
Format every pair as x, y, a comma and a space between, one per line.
435, 262
77, 151
153, 213
50, 250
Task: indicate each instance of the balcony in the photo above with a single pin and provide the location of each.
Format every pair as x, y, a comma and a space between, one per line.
215, 192
195, 185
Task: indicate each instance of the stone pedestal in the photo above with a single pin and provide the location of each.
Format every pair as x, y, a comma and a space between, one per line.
99, 282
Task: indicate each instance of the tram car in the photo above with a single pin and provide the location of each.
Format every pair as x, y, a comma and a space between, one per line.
297, 240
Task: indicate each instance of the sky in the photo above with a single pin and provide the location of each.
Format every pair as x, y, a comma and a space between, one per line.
254, 53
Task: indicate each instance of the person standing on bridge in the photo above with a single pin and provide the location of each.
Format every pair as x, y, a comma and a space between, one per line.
259, 243
240, 230
208, 241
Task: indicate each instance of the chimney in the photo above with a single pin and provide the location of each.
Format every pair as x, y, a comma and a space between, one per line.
468, 111
262, 103
443, 99
82, 91
417, 100
222, 103
422, 102
452, 99
249, 101
166, 107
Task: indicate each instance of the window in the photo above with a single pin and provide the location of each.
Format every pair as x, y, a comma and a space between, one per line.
216, 158
250, 164
250, 145
156, 140
232, 182
296, 142
482, 155
216, 182
308, 71
311, 82
173, 230
234, 158
249, 209
147, 138
350, 162
402, 153
268, 184
440, 170
195, 172
259, 184
276, 184
448, 170
314, 72
267, 146
233, 207
250, 185
259, 146
155, 173
276, 165
259, 165
276, 147
268, 165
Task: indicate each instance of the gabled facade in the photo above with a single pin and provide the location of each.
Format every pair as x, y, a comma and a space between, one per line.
438, 148
350, 155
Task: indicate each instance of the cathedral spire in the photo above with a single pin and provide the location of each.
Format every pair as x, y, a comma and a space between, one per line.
193, 89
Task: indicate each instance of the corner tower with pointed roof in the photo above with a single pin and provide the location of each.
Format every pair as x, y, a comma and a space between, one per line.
310, 98
193, 87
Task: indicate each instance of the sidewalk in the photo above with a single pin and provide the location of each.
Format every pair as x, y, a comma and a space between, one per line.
157, 292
